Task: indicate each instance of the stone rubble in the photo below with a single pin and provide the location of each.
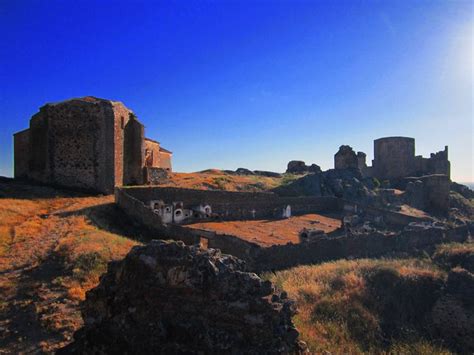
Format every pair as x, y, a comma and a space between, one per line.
167, 297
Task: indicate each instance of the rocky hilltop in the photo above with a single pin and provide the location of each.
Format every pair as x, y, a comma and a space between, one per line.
167, 297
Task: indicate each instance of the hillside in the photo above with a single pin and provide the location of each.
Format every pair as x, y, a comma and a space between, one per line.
214, 179
54, 245
382, 306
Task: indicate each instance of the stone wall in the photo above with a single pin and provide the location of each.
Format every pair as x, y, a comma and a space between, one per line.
133, 147
165, 159
289, 255
236, 205
86, 143
155, 176
429, 193
393, 157
346, 158
375, 244
38, 158
76, 134
152, 154
21, 151
392, 218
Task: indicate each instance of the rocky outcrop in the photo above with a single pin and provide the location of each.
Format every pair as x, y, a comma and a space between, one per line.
344, 183
300, 167
463, 190
167, 297
244, 171
267, 173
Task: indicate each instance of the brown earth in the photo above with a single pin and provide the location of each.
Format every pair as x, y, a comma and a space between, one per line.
271, 232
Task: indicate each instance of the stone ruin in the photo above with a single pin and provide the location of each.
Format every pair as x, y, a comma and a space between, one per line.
167, 297
300, 167
394, 158
308, 235
88, 143
346, 158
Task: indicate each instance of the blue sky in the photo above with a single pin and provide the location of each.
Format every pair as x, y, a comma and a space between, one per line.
228, 84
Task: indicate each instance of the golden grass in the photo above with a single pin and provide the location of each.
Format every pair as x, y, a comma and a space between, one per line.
31, 229
337, 313
219, 180
454, 249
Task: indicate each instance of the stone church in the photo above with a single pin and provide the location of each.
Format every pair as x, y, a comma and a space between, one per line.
88, 143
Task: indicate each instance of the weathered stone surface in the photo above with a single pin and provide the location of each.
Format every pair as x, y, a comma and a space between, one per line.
300, 167
429, 193
173, 298
86, 143
345, 183
346, 158
155, 176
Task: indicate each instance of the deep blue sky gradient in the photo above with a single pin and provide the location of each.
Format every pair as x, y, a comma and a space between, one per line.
228, 84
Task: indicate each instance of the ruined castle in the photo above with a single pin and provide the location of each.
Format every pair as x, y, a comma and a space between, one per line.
394, 158
88, 143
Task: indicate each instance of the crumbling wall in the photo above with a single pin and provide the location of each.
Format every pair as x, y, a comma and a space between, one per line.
21, 151
322, 249
346, 158
375, 244
38, 155
74, 143
429, 193
155, 176
165, 159
152, 154
172, 298
133, 152
76, 132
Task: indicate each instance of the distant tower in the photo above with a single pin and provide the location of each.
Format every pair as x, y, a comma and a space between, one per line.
394, 157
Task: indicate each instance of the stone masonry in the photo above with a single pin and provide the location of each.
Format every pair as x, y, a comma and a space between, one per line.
87, 143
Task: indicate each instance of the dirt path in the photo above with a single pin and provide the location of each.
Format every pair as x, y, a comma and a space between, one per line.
35, 313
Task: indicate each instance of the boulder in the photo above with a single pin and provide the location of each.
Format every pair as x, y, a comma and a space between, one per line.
167, 297
244, 171
300, 167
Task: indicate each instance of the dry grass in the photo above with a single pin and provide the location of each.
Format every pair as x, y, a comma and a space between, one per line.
455, 254
53, 248
357, 306
86, 250
219, 180
271, 232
